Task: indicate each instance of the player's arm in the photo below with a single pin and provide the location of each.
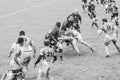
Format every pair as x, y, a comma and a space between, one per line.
11, 51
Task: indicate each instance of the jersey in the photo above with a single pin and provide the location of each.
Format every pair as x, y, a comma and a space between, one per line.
27, 41
13, 63
67, 24
55, 33
109, 29
47, 54
15, 49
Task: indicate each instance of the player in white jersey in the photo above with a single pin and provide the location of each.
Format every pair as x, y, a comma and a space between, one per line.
15, 71
46, 58
27, 41
76, 36
111, 34
27, 51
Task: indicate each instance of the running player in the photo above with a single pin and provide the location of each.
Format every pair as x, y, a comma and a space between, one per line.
84, 4
92, 14
115, 13
111, 34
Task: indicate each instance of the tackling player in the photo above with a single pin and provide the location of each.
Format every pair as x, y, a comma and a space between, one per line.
54, 41
77, 20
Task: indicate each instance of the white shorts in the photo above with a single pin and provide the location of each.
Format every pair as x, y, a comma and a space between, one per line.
44, 67
79, 37
110, 38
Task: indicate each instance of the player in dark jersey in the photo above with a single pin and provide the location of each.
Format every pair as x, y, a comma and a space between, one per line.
94, 0
92, 14
84, 4
52, 37
115, 13
76, 19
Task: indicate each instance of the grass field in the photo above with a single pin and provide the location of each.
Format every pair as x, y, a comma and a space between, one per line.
16, 15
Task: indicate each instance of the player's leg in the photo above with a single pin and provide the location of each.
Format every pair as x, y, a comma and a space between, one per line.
95, 20
60, 50
74, 45
115, 44
40, 73
48, 76
107, 42
80, 39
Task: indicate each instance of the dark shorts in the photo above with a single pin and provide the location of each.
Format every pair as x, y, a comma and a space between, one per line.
17, 71
114, 15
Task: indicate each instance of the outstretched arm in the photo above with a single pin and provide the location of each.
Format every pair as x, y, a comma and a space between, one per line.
38, 60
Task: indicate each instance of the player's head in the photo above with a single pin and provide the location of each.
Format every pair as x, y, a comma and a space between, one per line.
20, 40
104, 20
58, 24
71, 18
21, 33
76, 11
46, 42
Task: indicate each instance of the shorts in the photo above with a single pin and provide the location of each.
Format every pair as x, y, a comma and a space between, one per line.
79, 37
108, 39
114, 15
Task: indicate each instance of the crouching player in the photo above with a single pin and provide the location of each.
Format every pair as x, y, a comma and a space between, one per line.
46, 58
111, 34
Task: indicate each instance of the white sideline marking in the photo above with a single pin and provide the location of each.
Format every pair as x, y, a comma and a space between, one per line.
26, 9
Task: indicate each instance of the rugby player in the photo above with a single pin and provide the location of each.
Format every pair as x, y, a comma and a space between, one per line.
27, 42
76, 18
54, 41
111, 34
115, 13
84, 4
15, 65
92, 14
46, 58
